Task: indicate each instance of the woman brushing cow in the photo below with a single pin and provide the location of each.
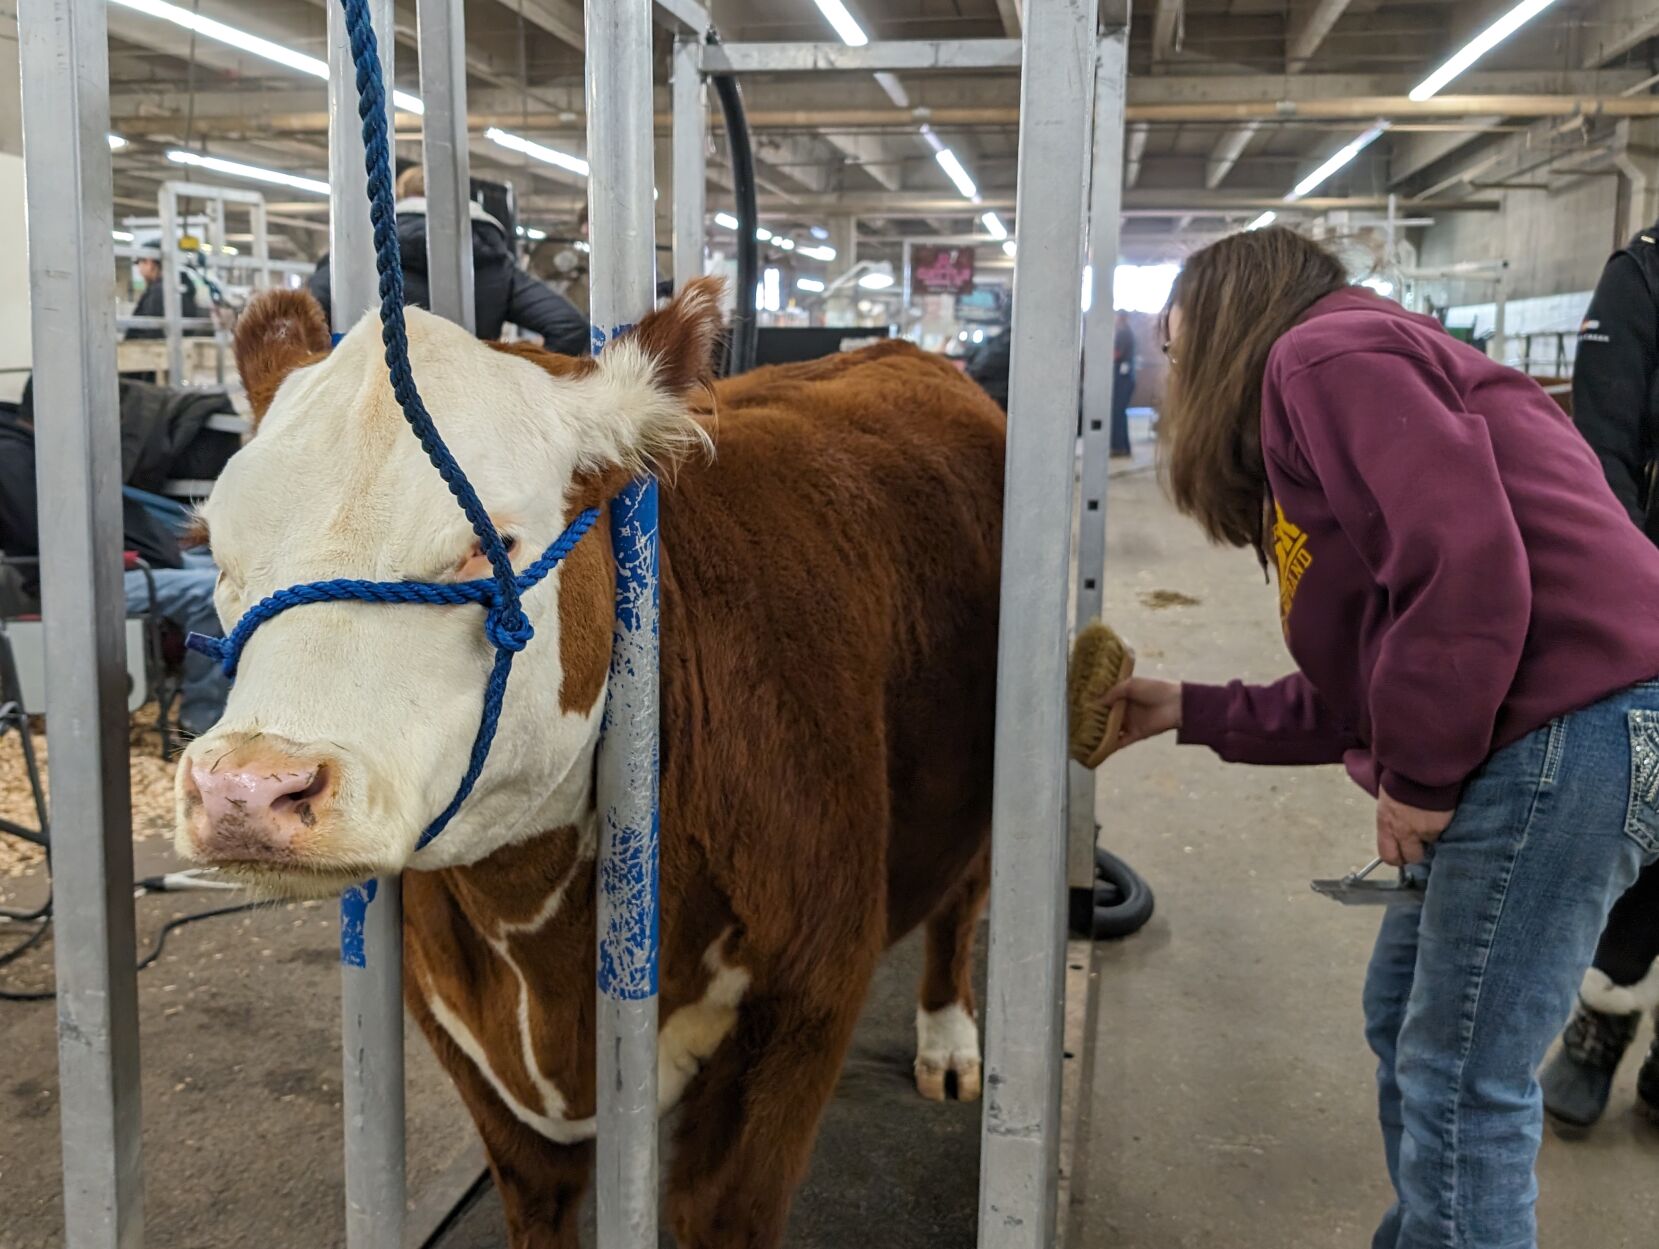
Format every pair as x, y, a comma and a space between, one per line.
1476, 624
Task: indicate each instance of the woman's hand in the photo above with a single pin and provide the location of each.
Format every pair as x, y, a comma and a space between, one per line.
1403, 831
1153, 707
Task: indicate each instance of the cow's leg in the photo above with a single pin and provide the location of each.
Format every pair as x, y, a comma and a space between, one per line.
947, 1036
749, 1120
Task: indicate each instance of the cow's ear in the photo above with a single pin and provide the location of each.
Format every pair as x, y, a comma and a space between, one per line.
278, 332
679, 338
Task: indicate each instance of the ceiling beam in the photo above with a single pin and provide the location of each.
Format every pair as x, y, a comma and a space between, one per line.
1134, 152
1168, 29
563, 19
1308, 30
1614, 27
1012, 17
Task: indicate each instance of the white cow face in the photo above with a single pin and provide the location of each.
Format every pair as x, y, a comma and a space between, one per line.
350, 725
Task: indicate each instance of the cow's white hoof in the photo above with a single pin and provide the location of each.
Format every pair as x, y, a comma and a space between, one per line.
947, 1045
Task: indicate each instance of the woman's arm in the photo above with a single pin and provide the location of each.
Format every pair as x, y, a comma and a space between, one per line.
1282, 723
1413, 482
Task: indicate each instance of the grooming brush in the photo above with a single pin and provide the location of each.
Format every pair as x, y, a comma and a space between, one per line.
1100, 661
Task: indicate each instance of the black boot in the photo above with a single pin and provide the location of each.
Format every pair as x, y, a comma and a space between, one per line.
1647, 1083
1579, 1079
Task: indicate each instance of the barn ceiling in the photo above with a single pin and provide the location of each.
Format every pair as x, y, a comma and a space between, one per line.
833, 147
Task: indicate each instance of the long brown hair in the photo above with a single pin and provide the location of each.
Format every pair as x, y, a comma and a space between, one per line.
1237, 296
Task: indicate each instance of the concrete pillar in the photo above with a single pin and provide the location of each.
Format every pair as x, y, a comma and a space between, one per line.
16, 352
843, 236
1636, 154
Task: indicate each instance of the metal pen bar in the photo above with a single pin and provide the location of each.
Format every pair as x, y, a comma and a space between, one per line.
1024, 1001
371, 982
172, 300
1099, 381
908, 56
690, 163
685, 15
622, 218
65, 85
442, 33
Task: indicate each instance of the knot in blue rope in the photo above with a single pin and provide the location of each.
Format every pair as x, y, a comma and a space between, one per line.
508, 629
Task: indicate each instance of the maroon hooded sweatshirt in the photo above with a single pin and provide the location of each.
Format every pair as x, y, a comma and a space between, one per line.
1454, 571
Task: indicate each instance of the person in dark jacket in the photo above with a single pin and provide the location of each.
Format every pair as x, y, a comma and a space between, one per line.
183, 580
503, 292
990, 363
1616, 408
150, 300
1123, 383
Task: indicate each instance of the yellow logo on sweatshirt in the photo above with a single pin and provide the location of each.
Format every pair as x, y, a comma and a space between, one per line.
1290, 547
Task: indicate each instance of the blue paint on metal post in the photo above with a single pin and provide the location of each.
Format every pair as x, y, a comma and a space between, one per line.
354, 913
628, 871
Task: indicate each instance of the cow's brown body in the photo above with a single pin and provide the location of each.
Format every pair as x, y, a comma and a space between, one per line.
829, 614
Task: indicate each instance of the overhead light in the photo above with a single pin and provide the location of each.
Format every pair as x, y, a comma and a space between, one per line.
236, 169
1479, 46
876, 280
933, 140
818, 232
763, 234
1088, 286
1261, 222
116, 143
817, 253
121, 236
787, 245
836, 14
954, 171
243, 41
1008, 248
1318, 177
812, 285
531, 233
536, 151
1382, 286
993, 223
725, 221
979, 336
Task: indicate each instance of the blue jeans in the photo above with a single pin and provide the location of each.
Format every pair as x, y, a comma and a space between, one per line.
1465, 993
185, 596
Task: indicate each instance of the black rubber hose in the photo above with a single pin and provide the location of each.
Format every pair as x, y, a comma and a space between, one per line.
740, 356
1123, 902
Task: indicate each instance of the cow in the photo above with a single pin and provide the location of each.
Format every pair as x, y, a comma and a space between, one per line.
830, 555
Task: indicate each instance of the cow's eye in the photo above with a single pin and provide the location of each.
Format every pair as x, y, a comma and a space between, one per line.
509, 542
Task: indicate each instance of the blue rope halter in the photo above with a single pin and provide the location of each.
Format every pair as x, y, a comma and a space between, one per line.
505, 624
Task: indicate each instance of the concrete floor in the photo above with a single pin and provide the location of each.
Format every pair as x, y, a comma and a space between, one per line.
1233, 1095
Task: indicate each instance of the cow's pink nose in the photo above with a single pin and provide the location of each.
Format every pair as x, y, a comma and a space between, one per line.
258, 809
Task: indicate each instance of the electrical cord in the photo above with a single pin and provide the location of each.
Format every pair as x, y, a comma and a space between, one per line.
154, 884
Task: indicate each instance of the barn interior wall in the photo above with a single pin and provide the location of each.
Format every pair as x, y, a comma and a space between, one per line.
1555, 241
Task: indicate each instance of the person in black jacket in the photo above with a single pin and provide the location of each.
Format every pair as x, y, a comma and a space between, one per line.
502, 291
183, 580
1616, 407
150, 302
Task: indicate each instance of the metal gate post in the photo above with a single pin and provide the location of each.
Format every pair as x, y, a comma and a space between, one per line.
622, 218
442, 34
1021, 1133
172, 299
371, 915
65, 78
1099, 379
690, 162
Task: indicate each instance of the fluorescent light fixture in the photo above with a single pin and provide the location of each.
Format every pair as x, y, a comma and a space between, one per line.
817, 253
1088, 286
787, 245
725, 221
1263, 221
763, 234
1008, 249
771, 285
933, 140
1319, 176
236, 169
818, 232
241, 40
979, 336
121, 236
536, 151
993, 223
876, 280
1479, 46
116, 143
954, 171
811, 285
849, 31
533, 234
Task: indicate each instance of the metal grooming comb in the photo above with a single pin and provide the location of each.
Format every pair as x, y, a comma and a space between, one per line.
1359, 889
